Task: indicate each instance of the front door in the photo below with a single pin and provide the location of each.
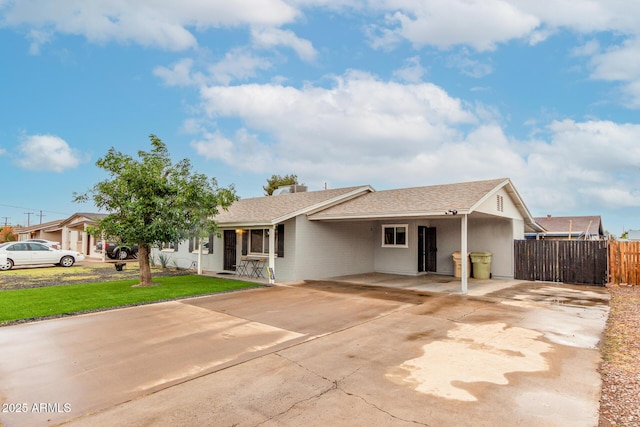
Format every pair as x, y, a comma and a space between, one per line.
229, 260
427, 249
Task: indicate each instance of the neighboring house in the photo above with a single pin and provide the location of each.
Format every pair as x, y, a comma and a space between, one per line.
410, 231
71, 233
633, 235
47, 230
75, 236
569, 228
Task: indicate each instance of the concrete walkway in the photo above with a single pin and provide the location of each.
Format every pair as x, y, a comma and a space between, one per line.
321, 353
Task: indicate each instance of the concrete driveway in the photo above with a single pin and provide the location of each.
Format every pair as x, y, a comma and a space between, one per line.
315, 354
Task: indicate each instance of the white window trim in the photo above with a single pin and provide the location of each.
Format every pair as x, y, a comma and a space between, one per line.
395, 226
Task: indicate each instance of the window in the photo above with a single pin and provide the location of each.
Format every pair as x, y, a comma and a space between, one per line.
170, 246
256, 241
19, 247
259, 241
395, 235
207, 245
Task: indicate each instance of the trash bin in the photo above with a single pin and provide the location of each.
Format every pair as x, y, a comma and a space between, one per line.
457, 265
481, 265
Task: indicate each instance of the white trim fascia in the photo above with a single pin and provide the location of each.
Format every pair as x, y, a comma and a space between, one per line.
248, 225
388, 215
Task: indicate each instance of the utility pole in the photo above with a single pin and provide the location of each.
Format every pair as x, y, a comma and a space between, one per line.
28, 214
6, 220
41, 215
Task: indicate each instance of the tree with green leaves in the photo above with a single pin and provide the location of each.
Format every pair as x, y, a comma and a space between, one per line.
279, 181
150, 201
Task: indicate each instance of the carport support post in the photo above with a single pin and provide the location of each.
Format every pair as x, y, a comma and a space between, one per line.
463, 254
272, 254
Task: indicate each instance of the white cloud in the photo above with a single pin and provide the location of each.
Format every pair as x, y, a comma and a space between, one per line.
179, 74
412, 72
47, 153
470, 67
592, 163
161, 23
484, 25
269, 37
237, 64
446, 23
38, 38
364, 130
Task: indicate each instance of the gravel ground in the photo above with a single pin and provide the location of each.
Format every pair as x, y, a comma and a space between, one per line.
620, 369
82, 272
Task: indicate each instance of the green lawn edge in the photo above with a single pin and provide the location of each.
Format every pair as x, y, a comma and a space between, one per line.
55, 301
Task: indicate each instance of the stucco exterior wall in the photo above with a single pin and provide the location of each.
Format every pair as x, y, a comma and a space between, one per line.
327, 249
494, 235
396, 260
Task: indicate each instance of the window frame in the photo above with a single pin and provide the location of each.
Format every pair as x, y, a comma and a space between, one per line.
264, 239
395, 228
279, 241
169, 247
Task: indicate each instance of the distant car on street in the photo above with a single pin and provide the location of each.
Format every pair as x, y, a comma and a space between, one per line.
50, 243
33, 253
116, 251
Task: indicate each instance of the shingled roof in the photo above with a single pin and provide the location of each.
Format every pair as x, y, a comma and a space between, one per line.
271, 210
353, 203
416, 201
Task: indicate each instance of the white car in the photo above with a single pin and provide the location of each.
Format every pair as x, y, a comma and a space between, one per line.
32, 253
51, 244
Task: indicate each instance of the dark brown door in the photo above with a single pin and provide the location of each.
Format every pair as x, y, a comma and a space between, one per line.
427, 250
229, 250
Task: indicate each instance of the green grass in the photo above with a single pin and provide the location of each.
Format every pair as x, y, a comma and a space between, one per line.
49, 301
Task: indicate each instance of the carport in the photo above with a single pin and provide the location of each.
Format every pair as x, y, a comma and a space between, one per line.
436, 221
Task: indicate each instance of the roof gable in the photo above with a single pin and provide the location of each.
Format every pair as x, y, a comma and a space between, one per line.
82, 217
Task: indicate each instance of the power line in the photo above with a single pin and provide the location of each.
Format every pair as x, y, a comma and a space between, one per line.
33, 209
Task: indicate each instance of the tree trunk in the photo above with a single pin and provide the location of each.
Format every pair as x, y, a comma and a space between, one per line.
145, 267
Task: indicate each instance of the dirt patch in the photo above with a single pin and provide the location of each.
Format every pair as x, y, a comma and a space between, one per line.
85, 272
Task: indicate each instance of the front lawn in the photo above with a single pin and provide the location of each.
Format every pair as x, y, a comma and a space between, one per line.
52, 301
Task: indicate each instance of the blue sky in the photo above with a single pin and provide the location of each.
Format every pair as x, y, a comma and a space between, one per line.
392, 93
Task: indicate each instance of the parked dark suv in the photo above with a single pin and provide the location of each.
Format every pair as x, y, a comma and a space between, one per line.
115, 251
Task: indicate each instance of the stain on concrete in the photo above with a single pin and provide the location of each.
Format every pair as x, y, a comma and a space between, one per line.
471, 354
555, 294
371, 291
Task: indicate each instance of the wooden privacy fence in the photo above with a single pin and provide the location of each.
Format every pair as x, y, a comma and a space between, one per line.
568, 261
624, 262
